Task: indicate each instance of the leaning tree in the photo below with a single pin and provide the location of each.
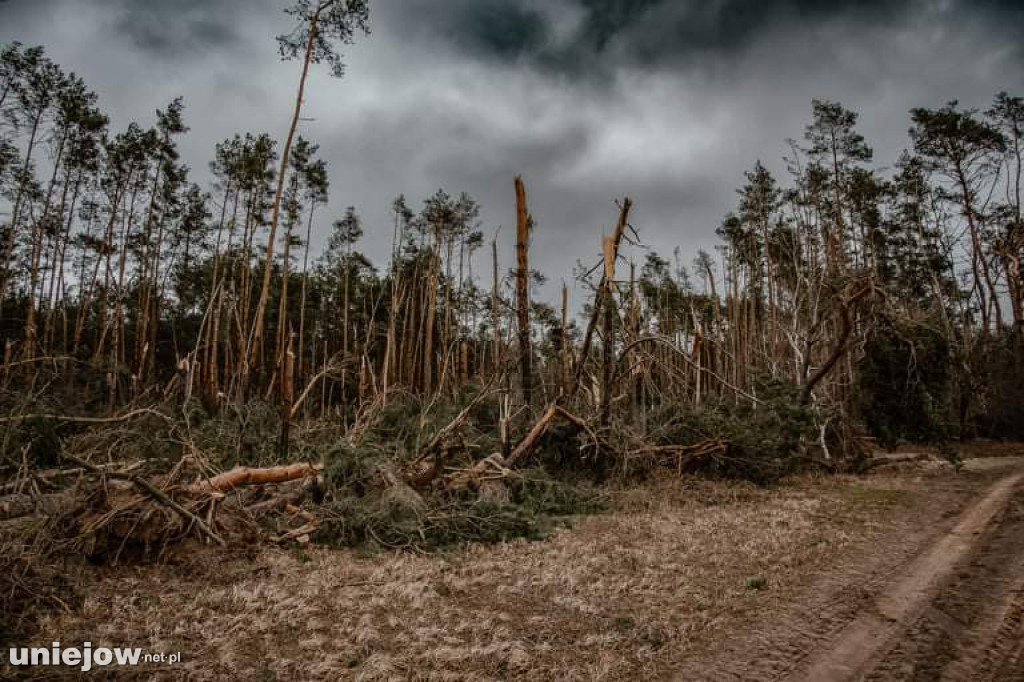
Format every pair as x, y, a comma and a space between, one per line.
320, 27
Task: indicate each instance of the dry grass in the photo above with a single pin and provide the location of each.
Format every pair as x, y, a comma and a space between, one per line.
625, 595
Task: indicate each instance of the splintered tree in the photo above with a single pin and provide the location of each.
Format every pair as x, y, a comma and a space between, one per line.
523, 222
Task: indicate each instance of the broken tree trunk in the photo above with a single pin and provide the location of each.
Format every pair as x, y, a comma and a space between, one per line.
523, 288
287, 393
530, 441
243, 476
441, 436
840, 348
610, 249
495, 308
490, 469
588, 337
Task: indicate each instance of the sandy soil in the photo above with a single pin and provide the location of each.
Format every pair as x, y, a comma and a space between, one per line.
911, 573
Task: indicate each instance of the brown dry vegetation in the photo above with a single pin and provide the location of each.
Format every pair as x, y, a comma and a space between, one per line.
668, 581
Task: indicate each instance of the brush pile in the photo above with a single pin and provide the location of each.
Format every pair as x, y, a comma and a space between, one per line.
406, 474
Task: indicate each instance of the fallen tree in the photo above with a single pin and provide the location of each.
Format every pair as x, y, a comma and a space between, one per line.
246, 476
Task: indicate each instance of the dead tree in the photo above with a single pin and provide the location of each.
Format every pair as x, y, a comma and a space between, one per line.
287, 393
566, 353
523, 289
588, 337
611, 253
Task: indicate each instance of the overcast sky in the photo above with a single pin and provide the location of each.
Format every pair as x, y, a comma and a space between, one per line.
666, 101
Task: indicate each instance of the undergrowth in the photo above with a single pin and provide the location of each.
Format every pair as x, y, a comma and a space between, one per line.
370, 506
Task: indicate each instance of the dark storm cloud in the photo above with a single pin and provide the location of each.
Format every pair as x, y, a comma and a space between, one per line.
508, 31
606, 33
667, 101
641, 31
171, 28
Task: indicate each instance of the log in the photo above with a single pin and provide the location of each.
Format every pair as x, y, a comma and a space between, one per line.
51, 475
685, 458
283, 501
530, 441
300, 534
492, 467
243, 476
17, 506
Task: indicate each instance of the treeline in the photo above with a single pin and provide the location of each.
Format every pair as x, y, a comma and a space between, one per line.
887, 299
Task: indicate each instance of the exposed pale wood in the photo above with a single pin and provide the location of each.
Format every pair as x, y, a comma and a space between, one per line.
599, 299
244, 476
523, 290
530, 441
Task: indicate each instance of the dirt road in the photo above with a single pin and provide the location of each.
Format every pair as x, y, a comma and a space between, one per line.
953, 611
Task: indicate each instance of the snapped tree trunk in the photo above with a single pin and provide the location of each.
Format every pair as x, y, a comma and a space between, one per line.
588, 337
287, 394
523, 289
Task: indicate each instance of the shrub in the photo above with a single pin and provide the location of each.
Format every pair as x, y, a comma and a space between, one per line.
764, 440
903, 382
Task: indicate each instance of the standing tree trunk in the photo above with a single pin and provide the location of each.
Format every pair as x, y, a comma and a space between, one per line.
5, 266
430, 304
564, 369
302, 295
495, 304
287, 394
611, 254
523, 289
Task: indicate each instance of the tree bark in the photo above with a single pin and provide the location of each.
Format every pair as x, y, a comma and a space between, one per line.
523, 290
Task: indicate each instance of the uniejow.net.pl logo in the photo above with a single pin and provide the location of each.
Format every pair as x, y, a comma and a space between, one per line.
85, 657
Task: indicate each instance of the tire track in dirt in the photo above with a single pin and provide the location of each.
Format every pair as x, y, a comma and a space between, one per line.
853, 616
950, 611
972, 625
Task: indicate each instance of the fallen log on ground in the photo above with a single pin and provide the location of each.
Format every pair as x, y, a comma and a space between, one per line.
683, 458
530, 441
284, 500
492, 467
245, 476
51, 475
19, 505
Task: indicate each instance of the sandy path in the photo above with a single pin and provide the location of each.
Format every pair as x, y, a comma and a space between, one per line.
945, 606
876, 642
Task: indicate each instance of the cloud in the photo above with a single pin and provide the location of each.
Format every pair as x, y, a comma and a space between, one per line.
582, 36
666, 101
171, 29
